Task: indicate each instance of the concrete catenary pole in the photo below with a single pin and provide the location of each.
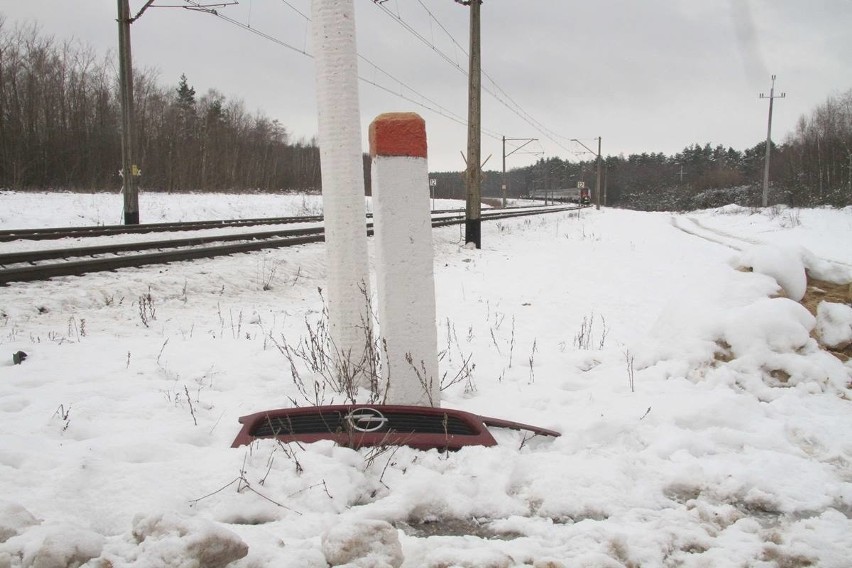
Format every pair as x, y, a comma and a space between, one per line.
473, 210
503, 184
125, 76
772, 96
335, 57
598, 178
405, 282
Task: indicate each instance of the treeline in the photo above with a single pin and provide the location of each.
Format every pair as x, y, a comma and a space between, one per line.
60, 127
812, 167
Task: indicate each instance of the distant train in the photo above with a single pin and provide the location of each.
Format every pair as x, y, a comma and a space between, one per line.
580, 195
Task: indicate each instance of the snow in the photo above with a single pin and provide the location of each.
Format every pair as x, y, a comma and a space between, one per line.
834, 324
703, 423
786, 266
364, 544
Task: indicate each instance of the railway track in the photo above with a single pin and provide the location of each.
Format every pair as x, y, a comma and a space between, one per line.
8, 235
105, 230
43, 264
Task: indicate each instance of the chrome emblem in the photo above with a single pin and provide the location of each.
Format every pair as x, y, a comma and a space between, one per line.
366, 419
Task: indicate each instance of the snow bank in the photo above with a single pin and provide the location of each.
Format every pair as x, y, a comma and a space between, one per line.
785, 265
774, 325
169, 540
51, 545
834, 324
362, 544
14, 519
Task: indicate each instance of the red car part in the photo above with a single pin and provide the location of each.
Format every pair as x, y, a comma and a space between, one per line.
364, 425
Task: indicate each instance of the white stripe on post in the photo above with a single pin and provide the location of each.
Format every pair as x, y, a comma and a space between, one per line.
404, 273
335, 56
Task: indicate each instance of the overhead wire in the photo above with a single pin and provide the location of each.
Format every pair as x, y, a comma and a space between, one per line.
398, 19
512, 105
197, 6
433, 106
438, 107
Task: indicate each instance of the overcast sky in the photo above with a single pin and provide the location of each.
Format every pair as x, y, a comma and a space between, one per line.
646, 76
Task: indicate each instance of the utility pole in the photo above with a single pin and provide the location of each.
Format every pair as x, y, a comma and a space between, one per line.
598, 179
473, 177
504, 173
505, 155
129, 171
772, 96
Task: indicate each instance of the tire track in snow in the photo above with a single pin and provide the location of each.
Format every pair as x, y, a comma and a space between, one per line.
691, 226
694, 227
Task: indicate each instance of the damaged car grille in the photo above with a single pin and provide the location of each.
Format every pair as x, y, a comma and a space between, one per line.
420, 427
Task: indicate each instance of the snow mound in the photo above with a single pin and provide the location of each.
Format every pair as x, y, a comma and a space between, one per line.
171, 541
50, 546
785, 265
363, 544
834, 325
826, 270
478, 557
772, 324
14, 519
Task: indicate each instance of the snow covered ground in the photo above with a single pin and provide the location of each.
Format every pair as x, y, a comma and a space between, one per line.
702, 422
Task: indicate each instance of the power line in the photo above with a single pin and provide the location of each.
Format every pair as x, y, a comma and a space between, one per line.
440, 25
296, 10
398, 19
435, 108
514, 106
484, 73
197, 6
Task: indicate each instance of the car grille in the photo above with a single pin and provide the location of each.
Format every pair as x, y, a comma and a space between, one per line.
333, 422
359, 426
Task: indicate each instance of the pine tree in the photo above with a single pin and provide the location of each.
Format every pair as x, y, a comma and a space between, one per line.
185, 94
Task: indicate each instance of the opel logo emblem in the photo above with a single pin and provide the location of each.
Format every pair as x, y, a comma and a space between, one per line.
366, 419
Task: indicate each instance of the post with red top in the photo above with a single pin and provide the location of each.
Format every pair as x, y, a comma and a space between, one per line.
405, 278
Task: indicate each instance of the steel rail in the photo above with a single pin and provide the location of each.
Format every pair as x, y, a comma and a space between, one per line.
269, 239
103, 230
52, 254
75, 268
48, 233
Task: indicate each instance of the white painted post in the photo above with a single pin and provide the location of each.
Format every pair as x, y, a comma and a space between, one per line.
404, 273
335, 56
